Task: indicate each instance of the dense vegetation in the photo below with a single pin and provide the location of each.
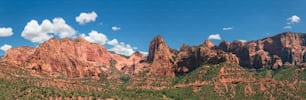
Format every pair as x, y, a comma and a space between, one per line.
279, 87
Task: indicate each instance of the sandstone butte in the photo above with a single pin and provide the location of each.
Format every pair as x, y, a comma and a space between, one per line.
72, 58
80, 58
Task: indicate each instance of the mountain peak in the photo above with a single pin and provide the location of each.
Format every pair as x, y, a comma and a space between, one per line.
208, 43
161, 58
157, 44
80, 39
158, 39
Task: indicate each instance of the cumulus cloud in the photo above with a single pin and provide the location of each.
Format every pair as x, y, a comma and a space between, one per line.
122, 48
116, 28
291, 21
144, 53
39, 33
5, 47
84, 17
6, 31
95, 37
294, 19
116, 46
214, 37
227, 28
113, 42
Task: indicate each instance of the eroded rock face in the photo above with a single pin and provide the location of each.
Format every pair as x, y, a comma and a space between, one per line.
168, 62
192, 57
79, 58
161, 58
134, 64
208, 43
17, 56
289, 47
71, 58
276, 62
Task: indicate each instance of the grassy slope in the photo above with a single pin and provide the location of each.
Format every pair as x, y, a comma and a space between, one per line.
14, 89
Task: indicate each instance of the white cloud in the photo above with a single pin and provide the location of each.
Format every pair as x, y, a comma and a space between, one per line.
291, 21
116, 28
5, 47
116, 46
95, 37
227, 28
243, 41
144, 53
6, 31
294, 19
123, 49
113, 42
287, 27
214, 37
84, 18
61, 28
33, 32
47, 29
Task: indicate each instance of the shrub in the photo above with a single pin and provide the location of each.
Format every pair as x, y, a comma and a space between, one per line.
125, 79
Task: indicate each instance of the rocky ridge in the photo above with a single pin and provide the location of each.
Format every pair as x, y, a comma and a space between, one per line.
79, 58
71, 58
272, 51
168, 62
208, 71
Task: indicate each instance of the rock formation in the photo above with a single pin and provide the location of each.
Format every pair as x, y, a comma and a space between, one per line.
270, 52
161, 58
286, 47
79, 58
169, 62
134, 64
71, 58
192, 57
208, 43
276, 62
17, 56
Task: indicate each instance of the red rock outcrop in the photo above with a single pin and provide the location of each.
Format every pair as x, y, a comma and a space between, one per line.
133, 64
208, 43
192, 57
79, 58
17, 56
71, 58
276, 62
167, 62
136, 57
161, 58
289, 47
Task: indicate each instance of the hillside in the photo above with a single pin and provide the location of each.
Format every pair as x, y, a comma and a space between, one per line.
77, 69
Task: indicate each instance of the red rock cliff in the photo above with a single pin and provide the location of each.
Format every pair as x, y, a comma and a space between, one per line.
160, 58
71, 58
287, 47
17, 56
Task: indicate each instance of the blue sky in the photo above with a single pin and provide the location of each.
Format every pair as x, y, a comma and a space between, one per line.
138, 21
